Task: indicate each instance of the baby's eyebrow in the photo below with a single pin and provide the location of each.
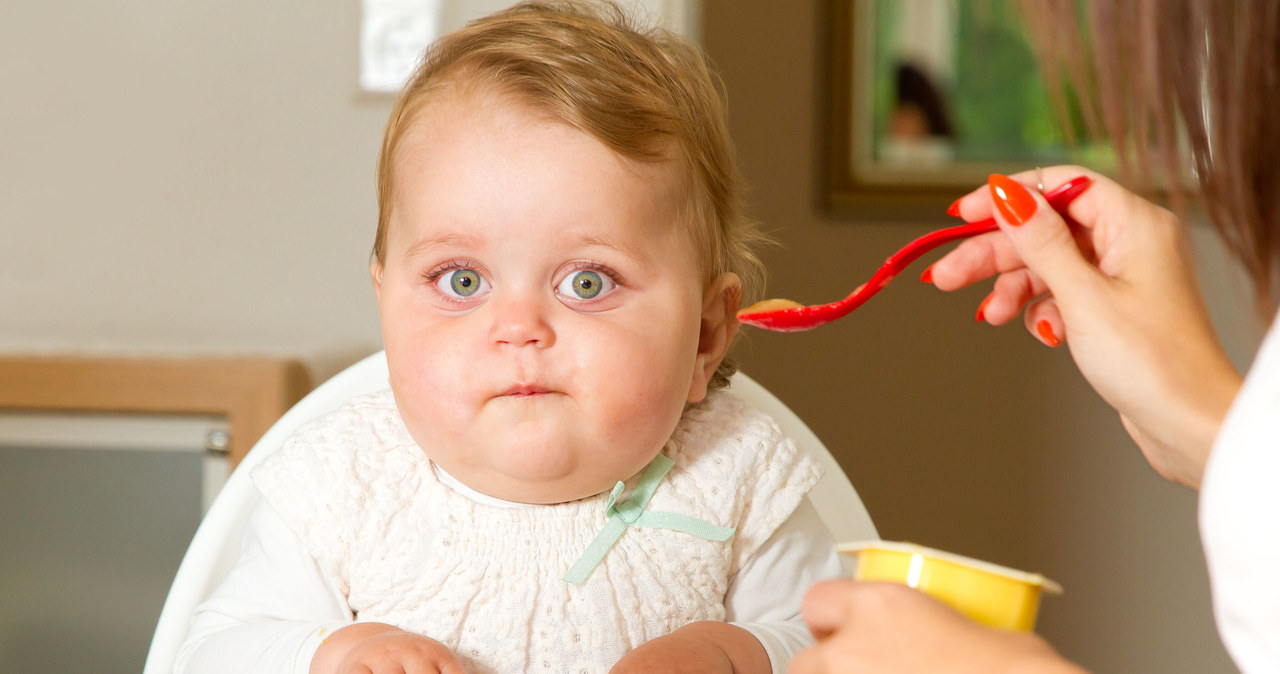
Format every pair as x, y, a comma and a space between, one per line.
612, 244
453, 239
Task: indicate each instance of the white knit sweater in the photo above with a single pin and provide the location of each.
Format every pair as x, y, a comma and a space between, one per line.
406, 549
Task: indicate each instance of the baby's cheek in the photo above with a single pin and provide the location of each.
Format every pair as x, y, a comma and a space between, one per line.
647, 417
428, 390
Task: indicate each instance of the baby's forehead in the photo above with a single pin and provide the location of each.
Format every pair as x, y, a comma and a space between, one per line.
450, 105
455, 109
461, 109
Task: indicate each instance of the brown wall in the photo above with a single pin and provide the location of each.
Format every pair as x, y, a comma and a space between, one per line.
958, 435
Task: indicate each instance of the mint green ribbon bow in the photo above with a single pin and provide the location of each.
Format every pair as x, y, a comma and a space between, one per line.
623, 514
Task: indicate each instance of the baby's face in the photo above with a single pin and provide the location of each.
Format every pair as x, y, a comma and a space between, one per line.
540, 309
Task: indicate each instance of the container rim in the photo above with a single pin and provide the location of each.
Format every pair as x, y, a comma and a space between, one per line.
855, 547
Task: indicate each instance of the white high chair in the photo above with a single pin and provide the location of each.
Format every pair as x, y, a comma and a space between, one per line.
216, 545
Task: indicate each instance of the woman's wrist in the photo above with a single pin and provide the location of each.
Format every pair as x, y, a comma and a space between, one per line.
1179, 449
1047, 665
1220, 394
1041, 658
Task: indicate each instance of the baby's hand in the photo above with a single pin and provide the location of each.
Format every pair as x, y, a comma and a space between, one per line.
375, 648
698, 648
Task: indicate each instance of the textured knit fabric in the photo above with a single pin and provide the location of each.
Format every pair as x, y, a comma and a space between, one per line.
486, 581
1240, 517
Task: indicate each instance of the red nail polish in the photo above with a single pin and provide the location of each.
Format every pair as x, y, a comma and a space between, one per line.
1013, 200
954, 209
1046, 333
982, 308
927, 276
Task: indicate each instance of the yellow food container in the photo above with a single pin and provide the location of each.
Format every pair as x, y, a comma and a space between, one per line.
993, 595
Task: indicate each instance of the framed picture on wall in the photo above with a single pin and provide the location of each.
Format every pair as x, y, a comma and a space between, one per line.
926, 98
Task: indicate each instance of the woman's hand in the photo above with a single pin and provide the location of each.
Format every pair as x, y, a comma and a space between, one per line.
376, 648
1119, 287
698, 648
884, 627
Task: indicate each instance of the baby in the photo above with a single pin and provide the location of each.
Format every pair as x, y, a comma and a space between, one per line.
554, 481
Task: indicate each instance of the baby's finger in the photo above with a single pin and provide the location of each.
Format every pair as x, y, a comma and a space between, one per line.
1044, 322
448, 663
426, 666
1012, 291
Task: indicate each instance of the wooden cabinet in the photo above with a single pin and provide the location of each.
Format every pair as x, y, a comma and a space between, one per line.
104, 477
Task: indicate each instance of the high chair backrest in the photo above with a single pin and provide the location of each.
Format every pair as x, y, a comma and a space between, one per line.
216, 545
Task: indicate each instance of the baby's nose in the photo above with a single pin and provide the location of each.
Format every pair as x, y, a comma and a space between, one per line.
520, 320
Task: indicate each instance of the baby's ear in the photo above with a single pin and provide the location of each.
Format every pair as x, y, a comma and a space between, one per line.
375, 273
718, 327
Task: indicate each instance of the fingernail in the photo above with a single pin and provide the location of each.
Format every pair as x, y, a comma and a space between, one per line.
1013, 200
954, 209
927, 276
1046, 333
982, 308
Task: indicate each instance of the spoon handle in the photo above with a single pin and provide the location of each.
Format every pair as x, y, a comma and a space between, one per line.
799, 318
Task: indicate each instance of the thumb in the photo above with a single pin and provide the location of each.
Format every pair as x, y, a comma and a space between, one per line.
1041, 237
827, 605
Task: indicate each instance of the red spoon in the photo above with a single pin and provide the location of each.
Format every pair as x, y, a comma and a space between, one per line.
781, 315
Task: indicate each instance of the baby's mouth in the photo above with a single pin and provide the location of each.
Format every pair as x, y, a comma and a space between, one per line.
525, 391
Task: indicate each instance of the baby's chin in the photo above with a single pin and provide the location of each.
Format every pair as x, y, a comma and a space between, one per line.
545, 490
538, 483
545, 494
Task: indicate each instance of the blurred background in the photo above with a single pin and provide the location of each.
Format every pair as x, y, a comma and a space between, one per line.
196, 179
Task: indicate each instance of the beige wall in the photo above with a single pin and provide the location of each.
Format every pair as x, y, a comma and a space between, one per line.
186, 177
197, 177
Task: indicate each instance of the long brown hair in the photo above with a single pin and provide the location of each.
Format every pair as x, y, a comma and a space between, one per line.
1158, 76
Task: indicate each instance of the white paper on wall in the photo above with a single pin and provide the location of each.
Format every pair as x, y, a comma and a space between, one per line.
393, 35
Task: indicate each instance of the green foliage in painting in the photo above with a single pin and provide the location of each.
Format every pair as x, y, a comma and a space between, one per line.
995, 95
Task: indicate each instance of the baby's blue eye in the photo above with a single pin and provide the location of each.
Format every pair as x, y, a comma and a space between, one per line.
585, 285
461, 282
